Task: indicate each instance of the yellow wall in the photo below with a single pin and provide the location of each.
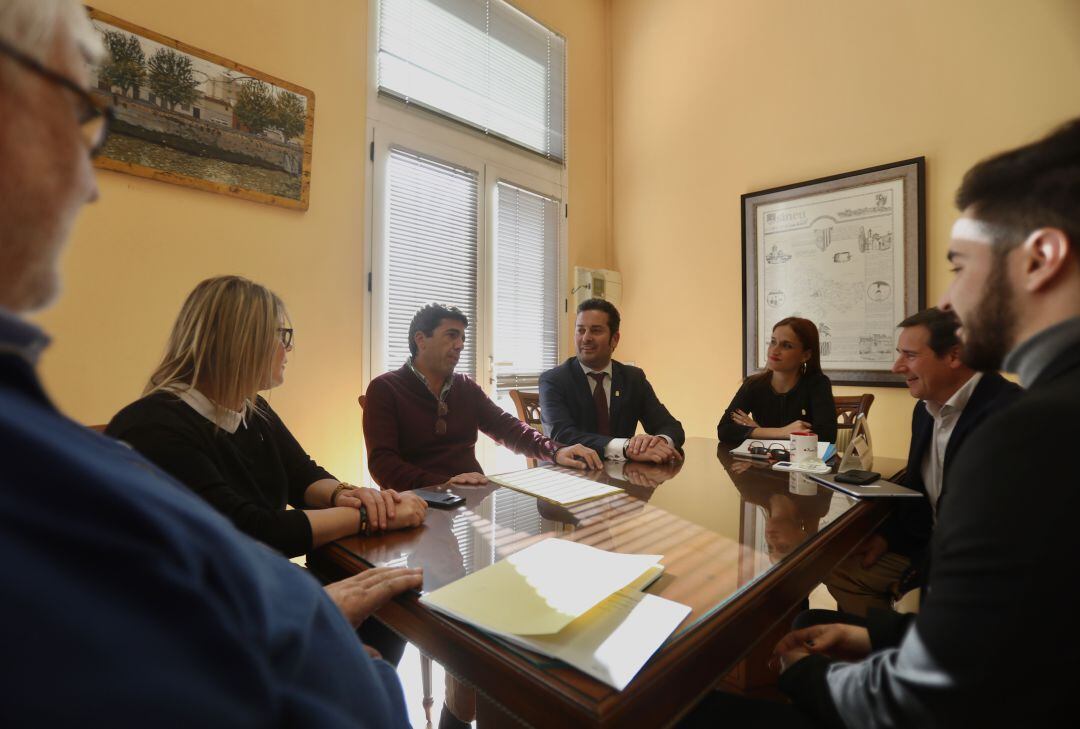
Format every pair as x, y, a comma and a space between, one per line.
138, 251
715, 99
674, 110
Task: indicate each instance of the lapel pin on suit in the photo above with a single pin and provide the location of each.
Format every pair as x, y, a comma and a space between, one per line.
616, 393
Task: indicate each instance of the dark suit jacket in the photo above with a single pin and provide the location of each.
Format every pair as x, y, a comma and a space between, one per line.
569, 414
994, 643
908, 529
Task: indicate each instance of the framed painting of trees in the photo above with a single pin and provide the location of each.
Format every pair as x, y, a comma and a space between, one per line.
190, 117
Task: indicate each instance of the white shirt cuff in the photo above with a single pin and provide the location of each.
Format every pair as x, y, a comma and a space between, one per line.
613, 451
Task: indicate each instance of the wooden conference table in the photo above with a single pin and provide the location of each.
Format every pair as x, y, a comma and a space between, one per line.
743, 545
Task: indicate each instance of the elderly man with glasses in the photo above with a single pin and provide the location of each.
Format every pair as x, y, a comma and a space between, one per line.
127, 600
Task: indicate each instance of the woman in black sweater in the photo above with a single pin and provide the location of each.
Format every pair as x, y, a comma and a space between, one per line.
202, 421
791, 394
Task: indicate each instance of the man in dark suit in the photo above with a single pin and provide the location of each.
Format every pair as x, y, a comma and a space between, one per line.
953, 400
593, 400
994, 643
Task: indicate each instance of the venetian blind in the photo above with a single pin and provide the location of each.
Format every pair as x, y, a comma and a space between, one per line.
480, 62
526, 286
431, 247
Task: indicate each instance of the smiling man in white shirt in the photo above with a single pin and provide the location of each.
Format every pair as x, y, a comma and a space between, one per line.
954, 399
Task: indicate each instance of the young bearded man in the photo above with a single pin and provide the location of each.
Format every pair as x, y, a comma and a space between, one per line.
597, 401
994, 643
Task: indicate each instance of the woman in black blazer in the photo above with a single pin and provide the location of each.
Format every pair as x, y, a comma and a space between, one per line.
791, 394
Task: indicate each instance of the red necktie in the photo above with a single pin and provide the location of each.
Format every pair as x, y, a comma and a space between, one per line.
603, 421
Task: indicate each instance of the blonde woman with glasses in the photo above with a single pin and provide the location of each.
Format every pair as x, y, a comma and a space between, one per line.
202, 420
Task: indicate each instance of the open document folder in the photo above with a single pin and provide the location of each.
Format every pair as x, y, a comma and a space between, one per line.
561, 488
569, 601
825, 451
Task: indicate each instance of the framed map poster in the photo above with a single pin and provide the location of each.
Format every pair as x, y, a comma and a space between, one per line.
847, 252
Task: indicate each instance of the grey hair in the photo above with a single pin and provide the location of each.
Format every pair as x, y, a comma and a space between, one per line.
31, 27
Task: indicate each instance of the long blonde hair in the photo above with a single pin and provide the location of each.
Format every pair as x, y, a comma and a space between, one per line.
223, 342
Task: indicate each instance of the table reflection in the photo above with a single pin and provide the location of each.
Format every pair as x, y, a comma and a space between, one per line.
721, 524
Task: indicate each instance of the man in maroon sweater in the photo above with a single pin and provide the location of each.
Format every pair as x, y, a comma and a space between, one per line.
421, 421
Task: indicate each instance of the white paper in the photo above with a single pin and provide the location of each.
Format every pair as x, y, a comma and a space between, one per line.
615, 639
561, 488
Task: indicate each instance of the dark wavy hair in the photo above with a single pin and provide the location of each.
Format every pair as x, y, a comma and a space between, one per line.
605, 306
428, 319
942, 326
1030, 187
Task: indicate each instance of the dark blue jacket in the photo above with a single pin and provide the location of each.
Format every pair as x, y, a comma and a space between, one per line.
128, 601
908, 529
994, 643
568, 410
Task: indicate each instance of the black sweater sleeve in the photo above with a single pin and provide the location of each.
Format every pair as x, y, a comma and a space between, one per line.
181, 449
300, 468
727, 429
822, 408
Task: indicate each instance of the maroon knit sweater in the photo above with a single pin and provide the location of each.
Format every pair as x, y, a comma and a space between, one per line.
399, 428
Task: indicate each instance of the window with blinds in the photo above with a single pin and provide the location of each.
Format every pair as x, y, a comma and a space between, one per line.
526, 286
431, 247
480, 62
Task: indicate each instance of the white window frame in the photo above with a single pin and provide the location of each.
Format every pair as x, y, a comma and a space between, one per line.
390, 123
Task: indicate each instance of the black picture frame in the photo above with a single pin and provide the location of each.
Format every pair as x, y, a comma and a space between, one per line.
897, 190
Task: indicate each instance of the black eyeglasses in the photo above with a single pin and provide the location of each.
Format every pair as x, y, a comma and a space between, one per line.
286, 337
94, 116
775, 451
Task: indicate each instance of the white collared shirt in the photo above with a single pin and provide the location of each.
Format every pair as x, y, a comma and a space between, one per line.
227, 420
945, 419
613, 451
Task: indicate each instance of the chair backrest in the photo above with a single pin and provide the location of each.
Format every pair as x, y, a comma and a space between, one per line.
528, 408
528, 411
849, 407
97, 428
362, 400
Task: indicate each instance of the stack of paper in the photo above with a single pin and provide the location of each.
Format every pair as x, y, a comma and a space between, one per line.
570, 601
561, 488
825, 450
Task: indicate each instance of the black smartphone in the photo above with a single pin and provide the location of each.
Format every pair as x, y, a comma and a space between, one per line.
440, 499
859, 478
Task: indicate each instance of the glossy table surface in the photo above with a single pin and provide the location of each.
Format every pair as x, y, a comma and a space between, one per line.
725, 527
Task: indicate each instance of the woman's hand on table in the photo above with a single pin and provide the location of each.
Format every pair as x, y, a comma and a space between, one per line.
744, 419
411, 511
381, 505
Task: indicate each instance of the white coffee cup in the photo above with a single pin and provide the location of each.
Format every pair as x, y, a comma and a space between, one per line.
803, 447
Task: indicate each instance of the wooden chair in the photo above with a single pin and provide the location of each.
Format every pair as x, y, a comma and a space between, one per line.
425, 661
849, 407
528, 411
97, 428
